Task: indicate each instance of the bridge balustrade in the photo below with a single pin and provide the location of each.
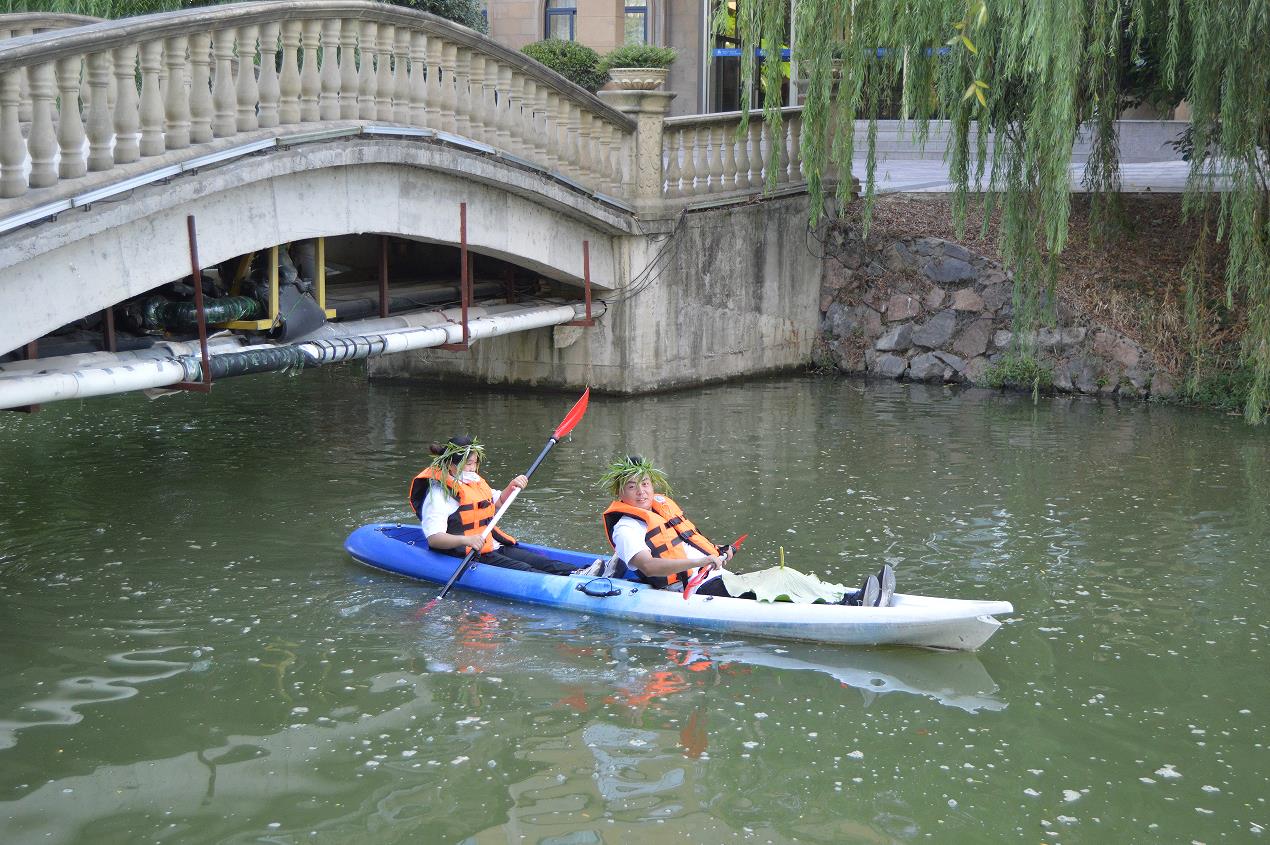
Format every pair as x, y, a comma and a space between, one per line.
710, 155
98, 96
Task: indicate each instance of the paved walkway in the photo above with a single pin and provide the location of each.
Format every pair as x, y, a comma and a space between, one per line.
924, 176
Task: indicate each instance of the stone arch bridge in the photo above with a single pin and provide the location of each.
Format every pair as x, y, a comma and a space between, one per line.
280, 122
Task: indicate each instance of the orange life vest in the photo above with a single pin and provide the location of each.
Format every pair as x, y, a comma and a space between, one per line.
476, 506
668, 530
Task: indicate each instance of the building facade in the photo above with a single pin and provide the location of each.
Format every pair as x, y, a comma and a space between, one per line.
706, 76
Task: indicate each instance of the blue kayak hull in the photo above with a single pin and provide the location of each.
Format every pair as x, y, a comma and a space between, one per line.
910, 620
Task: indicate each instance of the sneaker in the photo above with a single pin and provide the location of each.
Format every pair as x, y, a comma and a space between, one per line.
594, 569
871, 592
886, 580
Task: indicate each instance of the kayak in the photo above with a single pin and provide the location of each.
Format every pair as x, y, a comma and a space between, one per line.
910, 620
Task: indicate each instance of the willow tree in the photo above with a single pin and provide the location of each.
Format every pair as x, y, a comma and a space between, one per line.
1017, 82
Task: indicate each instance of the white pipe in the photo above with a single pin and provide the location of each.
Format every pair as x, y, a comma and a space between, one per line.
19, 390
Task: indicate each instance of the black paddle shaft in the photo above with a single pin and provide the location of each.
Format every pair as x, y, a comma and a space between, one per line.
471, 552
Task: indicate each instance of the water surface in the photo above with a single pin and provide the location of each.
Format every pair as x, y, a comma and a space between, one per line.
189, 655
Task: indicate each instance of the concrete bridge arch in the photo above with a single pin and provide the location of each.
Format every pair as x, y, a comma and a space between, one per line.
88, 259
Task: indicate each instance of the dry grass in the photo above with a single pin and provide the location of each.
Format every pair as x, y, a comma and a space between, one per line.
1131, 281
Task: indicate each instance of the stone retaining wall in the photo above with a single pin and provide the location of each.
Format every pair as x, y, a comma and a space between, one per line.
926, 309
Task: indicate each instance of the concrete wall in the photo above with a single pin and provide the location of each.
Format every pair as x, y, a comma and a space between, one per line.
738, 295
92, 258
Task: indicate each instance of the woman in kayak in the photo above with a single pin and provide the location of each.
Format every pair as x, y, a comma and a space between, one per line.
651, 533
454, 504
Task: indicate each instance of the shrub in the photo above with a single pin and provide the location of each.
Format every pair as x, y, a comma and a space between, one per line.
575, 62
639, 55
465, 12
1019, 371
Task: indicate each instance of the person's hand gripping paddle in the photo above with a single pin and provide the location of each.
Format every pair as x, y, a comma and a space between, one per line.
704, 572
570, 420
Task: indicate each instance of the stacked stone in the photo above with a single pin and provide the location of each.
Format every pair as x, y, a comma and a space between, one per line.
926, 309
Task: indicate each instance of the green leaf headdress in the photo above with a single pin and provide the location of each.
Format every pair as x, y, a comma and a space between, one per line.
632, 467
455, 452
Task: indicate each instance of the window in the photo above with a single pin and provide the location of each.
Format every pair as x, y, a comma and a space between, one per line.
561, 15
636, 25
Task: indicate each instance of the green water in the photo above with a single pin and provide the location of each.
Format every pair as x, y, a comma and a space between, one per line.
188, 655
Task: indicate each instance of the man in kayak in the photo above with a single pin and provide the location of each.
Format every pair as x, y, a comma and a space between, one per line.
650, 532
454, 504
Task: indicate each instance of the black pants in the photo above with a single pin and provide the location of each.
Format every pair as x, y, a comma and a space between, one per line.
714, 587
522, 560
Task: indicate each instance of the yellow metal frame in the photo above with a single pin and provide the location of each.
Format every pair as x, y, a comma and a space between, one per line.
321, 279
260, 325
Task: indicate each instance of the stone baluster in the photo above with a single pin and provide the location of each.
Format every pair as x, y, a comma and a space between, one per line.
12, 147
447, 114
201, 110
329, 99
561, 116
70, 124
101, 130
505, 106
24, 88
383, 73
728, 135
432, 83
694, 172
573, 138
289, 83
366, 74
722, 170
462, 96
741, 142
705, 143
176, 99
247, 91
604, 152
348, 69
476, 87
127, 105
674, 172
151, 101
310, 80
758, 160
42, 140
586, 148
518, 117
270, 86
224, 97
782, 148
401, 77
796, 149
535, 135
420, 73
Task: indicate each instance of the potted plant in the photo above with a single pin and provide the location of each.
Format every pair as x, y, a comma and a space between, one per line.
639, 67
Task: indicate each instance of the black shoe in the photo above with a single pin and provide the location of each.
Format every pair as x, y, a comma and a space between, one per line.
886, 580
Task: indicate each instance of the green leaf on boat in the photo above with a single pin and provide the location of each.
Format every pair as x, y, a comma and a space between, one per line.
783, 584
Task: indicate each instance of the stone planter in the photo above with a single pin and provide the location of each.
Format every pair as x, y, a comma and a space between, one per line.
639, 78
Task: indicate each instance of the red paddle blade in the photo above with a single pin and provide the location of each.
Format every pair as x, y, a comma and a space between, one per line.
736, 544
695, 581
574, 416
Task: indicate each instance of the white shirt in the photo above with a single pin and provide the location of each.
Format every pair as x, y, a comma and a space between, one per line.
439, 505
628, 541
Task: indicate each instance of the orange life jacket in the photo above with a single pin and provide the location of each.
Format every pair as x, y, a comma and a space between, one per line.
476, 506
668, 530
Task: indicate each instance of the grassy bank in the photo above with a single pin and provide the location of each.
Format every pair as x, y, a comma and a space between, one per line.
1132, 282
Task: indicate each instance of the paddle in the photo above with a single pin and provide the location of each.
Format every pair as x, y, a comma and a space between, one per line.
566, 425
695, 581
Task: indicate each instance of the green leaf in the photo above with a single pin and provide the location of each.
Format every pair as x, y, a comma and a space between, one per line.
979, 96
788, 584
970, 45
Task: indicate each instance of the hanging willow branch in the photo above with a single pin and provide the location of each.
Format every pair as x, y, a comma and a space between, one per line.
1018, 82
